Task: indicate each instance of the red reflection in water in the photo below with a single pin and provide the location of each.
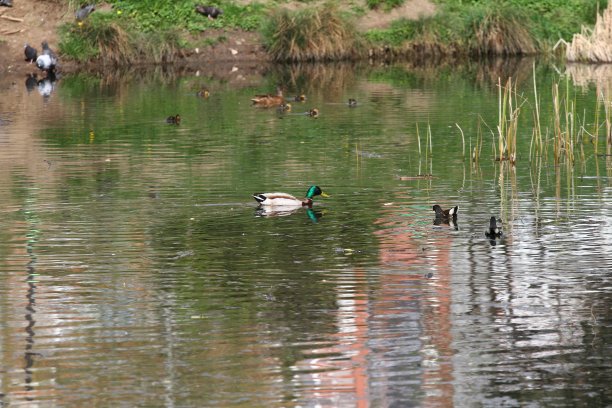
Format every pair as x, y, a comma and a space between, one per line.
340, 376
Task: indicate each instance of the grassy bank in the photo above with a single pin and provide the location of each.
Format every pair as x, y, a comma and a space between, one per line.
489, 27
158, 31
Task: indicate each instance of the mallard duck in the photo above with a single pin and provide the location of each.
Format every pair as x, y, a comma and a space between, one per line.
47, 60
495, 230
287, 200
440, 213
211, 12
174, 120
352, 102
269, 100
285, 107
313, 113
82, 13
30, 53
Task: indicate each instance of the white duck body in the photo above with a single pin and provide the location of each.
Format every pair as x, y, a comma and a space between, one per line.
279, 200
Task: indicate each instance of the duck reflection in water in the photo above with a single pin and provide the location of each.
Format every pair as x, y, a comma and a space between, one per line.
313, 215
494, 232
451, 222
31, 82
44, 86
446, 217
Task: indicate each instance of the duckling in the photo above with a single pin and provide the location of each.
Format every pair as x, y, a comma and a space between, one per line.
30, 53
269, 100
313, 113
495, 230
352, 102
285, 107
287, 200
174, 120
299, 98
440, 213
203, 93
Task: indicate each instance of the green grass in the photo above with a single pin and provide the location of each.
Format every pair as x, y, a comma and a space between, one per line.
493, 26
153, 15
325, 32
151, 30
109, 39
384, 4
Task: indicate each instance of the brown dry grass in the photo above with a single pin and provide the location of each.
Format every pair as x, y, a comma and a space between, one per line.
593, 45
311, 34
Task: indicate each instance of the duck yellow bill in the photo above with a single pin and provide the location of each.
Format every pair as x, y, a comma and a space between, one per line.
325, 195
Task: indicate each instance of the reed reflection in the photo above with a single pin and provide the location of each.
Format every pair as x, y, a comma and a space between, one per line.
32, 236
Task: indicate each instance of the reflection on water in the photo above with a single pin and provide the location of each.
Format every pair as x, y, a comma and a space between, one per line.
136, 269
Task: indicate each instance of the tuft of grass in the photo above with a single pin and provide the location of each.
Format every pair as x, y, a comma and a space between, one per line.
500, 31
108, 40
472, 29
384, 4
311, 34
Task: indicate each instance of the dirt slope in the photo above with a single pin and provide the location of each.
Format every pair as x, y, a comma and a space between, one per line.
34, 21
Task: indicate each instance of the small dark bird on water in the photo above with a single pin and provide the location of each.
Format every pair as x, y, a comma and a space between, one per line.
495, 230
82, 13
211, 12
47, 60
174, 120
30, 53
352, 102
440, 213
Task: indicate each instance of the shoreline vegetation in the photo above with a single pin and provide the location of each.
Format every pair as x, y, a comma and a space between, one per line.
125, 32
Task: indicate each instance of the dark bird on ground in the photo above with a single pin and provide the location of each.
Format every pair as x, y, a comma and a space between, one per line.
440, 213
211, 12
30, 53
47, 60
495, 230
82, 13
174, 120
6, 3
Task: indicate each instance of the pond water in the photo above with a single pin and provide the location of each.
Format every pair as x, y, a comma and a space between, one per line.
136, 270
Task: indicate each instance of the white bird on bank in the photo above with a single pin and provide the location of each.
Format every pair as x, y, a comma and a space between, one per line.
47, 60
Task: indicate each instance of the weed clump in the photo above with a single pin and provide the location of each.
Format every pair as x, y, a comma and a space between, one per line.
311, 34
109, 41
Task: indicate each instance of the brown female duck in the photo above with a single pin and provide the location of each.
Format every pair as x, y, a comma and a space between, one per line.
269, 100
